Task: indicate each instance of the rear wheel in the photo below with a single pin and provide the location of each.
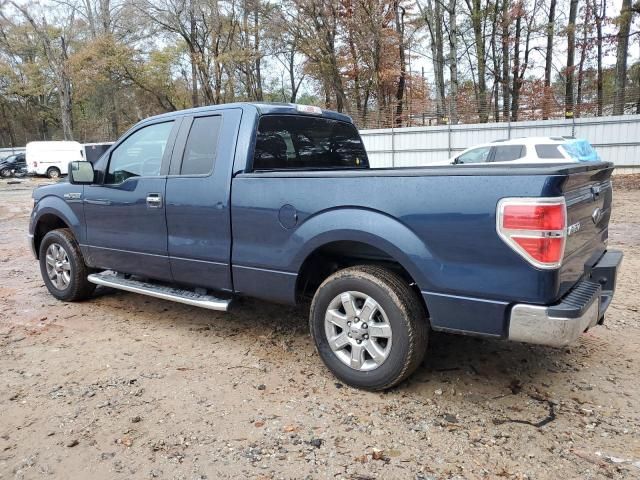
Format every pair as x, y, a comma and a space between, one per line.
53, 172
5, 172
369, 327
62, 266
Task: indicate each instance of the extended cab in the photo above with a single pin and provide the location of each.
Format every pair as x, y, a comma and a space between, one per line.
278, 202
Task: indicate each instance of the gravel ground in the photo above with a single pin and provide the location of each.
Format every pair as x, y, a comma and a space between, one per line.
124, 386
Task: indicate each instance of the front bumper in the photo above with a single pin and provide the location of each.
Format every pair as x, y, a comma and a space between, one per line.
582, 308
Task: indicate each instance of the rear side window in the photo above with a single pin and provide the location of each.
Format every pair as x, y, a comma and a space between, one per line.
507, 153
300, 142
548, 151
202, 143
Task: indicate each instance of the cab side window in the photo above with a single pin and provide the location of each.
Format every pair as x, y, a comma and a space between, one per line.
200, 151
477, 155
508, 153
140, 155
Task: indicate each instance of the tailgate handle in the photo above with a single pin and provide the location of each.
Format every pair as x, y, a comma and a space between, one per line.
595, 191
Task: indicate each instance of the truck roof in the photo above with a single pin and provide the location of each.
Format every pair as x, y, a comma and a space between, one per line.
262, 108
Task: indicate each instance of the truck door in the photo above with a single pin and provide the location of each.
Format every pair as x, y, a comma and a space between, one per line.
198, 199
125, 214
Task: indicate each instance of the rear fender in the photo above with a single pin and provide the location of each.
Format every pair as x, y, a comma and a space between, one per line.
361, 225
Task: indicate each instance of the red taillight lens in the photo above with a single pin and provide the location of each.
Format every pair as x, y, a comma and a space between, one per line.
534, 228
543, 249
533, 217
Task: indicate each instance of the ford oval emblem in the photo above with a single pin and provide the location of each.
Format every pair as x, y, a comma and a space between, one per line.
596, 216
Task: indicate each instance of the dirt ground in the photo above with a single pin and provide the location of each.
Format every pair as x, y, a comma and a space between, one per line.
124, 386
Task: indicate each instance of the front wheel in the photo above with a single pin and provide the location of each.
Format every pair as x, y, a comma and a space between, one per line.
369, 327
62, 266
5, 172
53, 172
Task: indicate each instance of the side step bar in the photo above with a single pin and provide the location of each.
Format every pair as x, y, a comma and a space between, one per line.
189, 297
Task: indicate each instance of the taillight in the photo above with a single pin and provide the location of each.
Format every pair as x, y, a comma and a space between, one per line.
536, 228
35, 164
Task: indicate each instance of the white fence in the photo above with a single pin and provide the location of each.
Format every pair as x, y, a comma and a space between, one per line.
617, 139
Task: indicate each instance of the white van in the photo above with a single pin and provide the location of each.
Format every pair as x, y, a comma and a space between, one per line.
52, 158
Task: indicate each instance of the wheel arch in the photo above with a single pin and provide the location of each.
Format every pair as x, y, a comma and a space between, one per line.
335, 241
52, 213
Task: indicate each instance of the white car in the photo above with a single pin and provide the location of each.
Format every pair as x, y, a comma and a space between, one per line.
528, 150
52, 158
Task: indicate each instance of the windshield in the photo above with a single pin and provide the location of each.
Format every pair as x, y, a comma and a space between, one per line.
301, 142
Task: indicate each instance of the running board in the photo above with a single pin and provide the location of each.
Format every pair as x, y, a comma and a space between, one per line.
189, 297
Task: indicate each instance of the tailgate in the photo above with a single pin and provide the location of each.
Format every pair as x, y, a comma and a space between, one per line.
588, 195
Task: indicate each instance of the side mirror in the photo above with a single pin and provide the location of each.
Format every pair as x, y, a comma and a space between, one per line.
81, 173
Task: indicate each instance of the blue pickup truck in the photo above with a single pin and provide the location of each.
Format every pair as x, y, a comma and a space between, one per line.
278, 202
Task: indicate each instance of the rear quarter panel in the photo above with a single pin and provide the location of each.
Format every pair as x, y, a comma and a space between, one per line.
441, 228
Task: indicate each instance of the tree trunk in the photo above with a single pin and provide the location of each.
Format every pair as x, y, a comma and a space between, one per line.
506, 21
583, 55
434, 19
599, 15
515, 89
622, 52
571, 50
476, 21
257, 53
453, 63
66, 103
400, 12
195, 102
548, 61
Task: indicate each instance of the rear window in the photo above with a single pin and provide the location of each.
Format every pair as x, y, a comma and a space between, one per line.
507, 153
548, 151
300, 142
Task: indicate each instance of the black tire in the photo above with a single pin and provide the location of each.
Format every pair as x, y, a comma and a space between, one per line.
53, 172
404, 312
5, 173
78, 288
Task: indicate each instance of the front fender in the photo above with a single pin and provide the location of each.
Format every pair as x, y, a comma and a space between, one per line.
70, 212
361, 225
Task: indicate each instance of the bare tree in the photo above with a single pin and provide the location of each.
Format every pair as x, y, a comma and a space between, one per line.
571, 51
622, 52
433, 18
548, 58
477, 13
599, 13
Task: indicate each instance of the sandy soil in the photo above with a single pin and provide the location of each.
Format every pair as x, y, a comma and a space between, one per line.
124, 386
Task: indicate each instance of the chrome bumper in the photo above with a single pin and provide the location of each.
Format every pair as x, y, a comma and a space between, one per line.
582, 308
533, 324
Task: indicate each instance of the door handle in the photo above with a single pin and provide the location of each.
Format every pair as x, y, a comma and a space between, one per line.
154, 200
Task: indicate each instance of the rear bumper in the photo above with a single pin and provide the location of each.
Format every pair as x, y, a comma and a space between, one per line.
582, 308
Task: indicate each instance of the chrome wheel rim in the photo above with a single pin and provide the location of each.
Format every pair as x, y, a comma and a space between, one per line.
58, 266
358, 331
54, 173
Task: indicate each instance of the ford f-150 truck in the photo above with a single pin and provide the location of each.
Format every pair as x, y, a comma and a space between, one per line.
278, 202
